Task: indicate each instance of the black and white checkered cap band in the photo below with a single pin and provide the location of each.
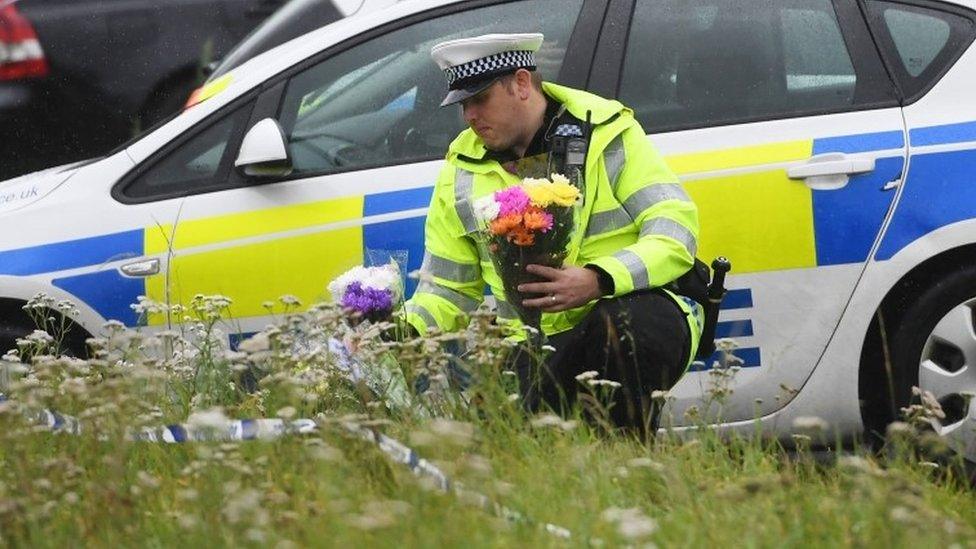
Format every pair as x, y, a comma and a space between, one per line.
493, 64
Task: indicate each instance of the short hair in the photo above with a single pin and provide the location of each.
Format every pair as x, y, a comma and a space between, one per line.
536, 78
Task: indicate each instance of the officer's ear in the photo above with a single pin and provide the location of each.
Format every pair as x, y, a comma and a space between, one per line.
523, 83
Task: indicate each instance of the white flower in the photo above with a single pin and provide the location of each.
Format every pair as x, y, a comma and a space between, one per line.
810, 423
384, 277
486, 208
589, 374
631, 523
559, 178
604, 382
213, 418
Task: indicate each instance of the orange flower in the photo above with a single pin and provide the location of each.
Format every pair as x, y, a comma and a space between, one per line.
506, 223
537, 219
522, 236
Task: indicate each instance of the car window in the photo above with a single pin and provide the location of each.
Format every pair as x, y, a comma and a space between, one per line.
294, 19
923, 42
379, 102
194, 165
692, 63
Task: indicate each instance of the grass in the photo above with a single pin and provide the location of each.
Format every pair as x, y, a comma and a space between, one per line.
334, 489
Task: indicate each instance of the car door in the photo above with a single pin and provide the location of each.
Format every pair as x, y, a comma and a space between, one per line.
366, 137
785, 130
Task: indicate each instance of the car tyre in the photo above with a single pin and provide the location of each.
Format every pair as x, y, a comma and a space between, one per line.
934, 347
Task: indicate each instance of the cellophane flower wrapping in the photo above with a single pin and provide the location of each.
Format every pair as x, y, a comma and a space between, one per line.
525, 224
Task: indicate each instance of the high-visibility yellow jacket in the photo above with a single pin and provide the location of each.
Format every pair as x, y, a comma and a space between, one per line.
638, 224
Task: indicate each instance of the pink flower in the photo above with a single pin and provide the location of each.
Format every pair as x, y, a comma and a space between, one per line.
512, 200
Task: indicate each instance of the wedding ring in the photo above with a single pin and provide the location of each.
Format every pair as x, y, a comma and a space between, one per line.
552, 297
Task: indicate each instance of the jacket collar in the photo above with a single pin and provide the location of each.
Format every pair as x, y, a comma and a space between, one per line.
468, 146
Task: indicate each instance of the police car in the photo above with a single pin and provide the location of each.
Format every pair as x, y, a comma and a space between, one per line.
829, 144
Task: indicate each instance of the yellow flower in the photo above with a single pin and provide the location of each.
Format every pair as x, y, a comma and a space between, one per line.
539, 193
564, 194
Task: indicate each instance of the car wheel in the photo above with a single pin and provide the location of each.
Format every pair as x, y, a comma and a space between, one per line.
934, 348
74, 343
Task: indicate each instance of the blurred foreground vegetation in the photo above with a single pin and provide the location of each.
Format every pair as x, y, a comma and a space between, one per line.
331, 488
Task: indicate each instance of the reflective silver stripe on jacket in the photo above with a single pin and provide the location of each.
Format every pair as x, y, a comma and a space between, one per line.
651, 195
413, 308
463, 188
456, 298
614, 158
610, 220
662, 226
505, 310
450, 270
636, 267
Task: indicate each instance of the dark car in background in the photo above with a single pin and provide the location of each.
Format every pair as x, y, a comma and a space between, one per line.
79, 77
295, 18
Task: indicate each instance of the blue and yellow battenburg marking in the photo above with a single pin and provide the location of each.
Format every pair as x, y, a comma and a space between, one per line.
761, 221
767, 222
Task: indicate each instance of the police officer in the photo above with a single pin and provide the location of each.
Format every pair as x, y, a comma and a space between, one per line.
606, 309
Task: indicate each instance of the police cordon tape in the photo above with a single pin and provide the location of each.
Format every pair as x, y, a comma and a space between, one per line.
270, 429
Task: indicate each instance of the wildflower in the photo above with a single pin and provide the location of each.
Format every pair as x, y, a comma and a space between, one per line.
455, 431
551, 420
632, 523
213, 418
900, 514
899, 427
603, 382
287, 412
641, 462
187, 522
546, 420
660, 396
257, 343
147, 480
243, 503
289, 300
589, 374
810, 423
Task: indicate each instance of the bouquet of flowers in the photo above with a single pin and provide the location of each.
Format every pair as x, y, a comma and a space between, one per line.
370, 292
529, 223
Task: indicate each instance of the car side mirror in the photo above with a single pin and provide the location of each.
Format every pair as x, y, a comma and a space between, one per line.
263, 151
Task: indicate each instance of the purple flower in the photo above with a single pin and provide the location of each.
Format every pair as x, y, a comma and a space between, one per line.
512, 200
367, 301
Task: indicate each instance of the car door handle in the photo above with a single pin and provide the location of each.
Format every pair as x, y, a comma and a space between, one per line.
830, 171
146, 267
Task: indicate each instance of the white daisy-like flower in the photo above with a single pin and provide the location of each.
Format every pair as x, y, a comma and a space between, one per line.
486, 208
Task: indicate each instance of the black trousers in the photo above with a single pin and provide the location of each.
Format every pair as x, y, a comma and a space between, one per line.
640, 340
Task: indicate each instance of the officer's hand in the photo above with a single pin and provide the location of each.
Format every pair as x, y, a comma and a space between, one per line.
566, 288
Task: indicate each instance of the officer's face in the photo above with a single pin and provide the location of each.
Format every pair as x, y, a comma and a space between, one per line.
496, 115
